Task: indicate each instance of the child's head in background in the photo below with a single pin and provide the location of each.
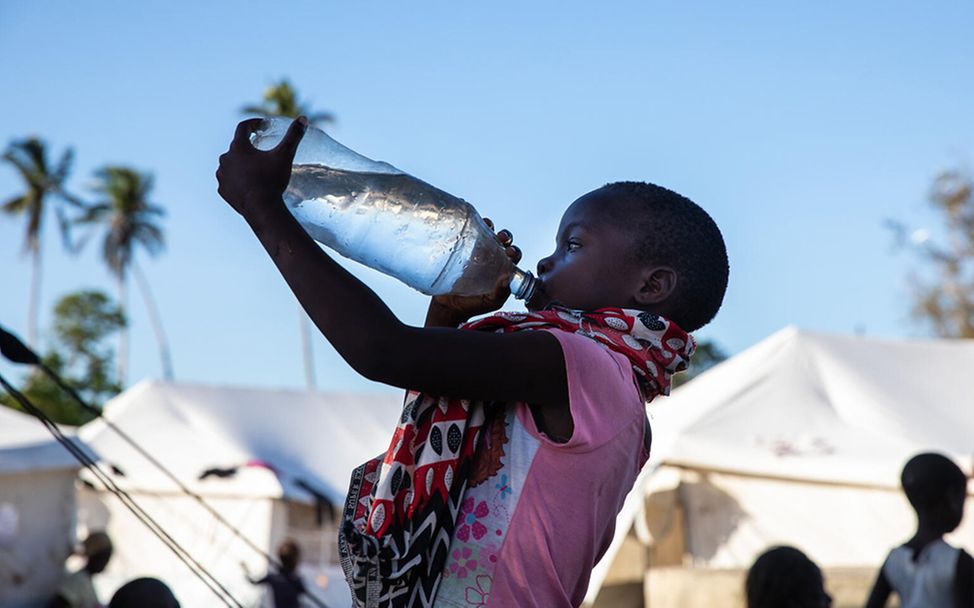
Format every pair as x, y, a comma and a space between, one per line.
290, 555
144, 593
937, 488
784, 577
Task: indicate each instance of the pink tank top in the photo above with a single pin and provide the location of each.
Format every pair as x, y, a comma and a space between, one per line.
538, 514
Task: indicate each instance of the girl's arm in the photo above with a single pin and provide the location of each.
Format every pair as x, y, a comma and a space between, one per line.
523, 366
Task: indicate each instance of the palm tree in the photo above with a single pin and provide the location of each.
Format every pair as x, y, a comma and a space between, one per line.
281, 99
43, 183
123, 208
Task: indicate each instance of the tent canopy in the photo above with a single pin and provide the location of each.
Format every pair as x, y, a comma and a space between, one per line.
275, 443
822, 407
37, 478
25, 445
841, 412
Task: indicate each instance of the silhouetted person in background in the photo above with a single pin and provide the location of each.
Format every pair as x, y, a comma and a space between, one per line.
77, 590
784, 577
144, 593
926, 571
286, 586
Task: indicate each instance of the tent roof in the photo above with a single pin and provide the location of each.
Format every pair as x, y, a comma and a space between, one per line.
280, 443
813, 406
25, 445
824, 407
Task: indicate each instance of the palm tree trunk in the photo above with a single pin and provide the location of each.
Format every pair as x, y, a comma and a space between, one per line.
34, 296
123, 335
309, 365
164, 357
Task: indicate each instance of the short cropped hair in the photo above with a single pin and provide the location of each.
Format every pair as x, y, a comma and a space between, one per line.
671, 229
290, 554
97, 543
929, 478
144, 593
784, 576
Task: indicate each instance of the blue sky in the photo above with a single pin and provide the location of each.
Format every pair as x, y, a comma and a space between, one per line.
799, 126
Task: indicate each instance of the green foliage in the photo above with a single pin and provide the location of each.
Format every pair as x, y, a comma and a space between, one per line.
43, 187
944, 298
129, 222
82, 323
41, 183
707, 355
124, 210
280, 99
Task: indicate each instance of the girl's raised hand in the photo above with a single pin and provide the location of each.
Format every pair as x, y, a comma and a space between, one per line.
451, 311
248, 177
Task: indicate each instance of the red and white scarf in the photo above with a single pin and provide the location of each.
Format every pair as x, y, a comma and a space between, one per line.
402, 506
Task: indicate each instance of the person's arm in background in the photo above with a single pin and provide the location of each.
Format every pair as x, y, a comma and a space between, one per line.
250, 577
880, 592
964, 580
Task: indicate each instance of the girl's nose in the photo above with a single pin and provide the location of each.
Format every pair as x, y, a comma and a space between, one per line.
544, 265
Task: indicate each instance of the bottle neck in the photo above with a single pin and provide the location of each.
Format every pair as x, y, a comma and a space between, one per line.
523, 284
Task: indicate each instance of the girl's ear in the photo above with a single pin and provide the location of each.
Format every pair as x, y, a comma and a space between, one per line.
657, 285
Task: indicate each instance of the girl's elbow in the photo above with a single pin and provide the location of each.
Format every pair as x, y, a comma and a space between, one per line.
378, 360
370, 368
366, 363
384, 373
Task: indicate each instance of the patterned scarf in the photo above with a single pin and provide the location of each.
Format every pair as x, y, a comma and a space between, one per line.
402, 506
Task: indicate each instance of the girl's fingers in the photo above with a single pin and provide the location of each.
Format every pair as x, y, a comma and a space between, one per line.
514, 252
505, 237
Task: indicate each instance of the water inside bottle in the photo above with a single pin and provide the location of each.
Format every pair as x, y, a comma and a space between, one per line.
399, 225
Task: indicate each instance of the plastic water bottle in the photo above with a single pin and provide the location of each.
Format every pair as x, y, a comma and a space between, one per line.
375, 214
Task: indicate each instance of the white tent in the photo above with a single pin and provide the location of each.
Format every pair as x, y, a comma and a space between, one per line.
37, 510
798, 440
279, 464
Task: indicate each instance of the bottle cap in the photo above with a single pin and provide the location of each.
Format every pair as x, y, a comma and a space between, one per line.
523, 284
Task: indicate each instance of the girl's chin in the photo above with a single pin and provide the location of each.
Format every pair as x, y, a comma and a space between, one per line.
539, 301
537, 304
